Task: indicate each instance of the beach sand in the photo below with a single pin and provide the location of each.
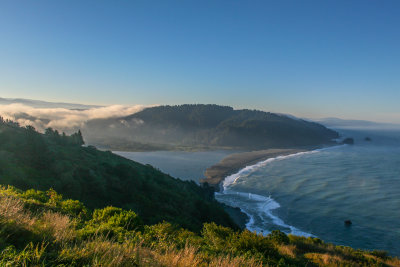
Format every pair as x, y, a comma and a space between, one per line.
215, 174
233, 163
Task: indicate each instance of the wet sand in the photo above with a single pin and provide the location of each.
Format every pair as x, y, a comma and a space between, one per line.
215, 174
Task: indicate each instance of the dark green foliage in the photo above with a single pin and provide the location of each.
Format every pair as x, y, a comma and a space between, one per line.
278, 237
74, 139
206, 126
29, 159
380, 253
216, 236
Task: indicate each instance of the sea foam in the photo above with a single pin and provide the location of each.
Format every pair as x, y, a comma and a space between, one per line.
232, 179
261, 206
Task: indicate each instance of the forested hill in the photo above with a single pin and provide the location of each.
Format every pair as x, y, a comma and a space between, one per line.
29, 159
206, 126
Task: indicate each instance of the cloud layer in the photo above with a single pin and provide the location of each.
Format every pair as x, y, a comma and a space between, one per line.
62, 119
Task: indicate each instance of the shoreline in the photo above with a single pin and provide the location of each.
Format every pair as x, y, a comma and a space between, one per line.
234, 163
216, 174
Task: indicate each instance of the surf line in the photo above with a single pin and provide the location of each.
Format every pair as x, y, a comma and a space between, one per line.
261, 206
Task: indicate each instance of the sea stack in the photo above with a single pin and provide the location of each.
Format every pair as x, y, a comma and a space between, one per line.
348, 141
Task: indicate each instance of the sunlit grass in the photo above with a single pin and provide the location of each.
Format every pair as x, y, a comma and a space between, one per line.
41, 233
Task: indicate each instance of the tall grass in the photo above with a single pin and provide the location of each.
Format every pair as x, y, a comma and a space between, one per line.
12, 209
46, 236
60, 227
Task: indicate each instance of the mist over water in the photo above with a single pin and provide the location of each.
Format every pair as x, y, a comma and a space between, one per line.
314, 193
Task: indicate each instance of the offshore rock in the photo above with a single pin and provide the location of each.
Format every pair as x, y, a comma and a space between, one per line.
348, 141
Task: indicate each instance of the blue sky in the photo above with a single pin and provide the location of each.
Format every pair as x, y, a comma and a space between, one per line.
307, 58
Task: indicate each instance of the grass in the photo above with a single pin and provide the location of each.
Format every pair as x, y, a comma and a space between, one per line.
41, 229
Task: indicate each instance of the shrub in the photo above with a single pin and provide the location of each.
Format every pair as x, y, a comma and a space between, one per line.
54, 197
278, 237
165, 235
217, 237
112, 222
117, 217
74, 208
379, 253
36, 195
247, 241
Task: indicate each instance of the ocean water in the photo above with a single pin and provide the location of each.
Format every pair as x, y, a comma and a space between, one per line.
313, 193
179, 164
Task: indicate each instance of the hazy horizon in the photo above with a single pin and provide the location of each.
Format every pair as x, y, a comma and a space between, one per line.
70, 116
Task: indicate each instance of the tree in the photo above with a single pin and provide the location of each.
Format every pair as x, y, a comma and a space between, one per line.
77, 138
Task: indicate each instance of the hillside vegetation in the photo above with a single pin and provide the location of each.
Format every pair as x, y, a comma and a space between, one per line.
41, 228
29, 159
205, 126
128, 214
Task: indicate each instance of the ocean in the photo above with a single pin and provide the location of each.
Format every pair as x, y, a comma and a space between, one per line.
311, 193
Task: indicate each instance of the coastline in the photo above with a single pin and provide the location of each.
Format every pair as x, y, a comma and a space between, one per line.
216, 174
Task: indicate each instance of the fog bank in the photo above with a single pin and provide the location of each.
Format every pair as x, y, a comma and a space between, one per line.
62, 119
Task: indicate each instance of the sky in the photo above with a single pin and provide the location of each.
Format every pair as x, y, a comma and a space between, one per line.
311, 59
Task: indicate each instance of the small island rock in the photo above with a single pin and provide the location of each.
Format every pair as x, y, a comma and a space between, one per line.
348, 141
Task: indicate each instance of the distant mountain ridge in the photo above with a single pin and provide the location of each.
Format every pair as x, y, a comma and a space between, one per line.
206, 126
183, 127
338, 123
44, 104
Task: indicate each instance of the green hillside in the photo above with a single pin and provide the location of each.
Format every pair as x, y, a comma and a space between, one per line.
29, 159
41, 228
205, 126
128, 214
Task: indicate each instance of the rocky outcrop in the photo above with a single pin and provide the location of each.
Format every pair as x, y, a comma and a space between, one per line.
348, 141
348, 222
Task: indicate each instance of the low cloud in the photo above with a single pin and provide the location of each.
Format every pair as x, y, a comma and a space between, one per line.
62, 119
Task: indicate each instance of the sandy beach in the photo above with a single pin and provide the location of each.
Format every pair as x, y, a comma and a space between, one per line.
215, 174
231, 164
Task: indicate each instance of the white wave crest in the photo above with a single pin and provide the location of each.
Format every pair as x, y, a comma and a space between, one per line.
260, 206
232, 179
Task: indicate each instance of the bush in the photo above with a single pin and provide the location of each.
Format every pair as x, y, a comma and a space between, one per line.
117, 217
217, 237
165, 235
35, 195
278, 237
112, 222
252, 245
74, 208
379, 253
